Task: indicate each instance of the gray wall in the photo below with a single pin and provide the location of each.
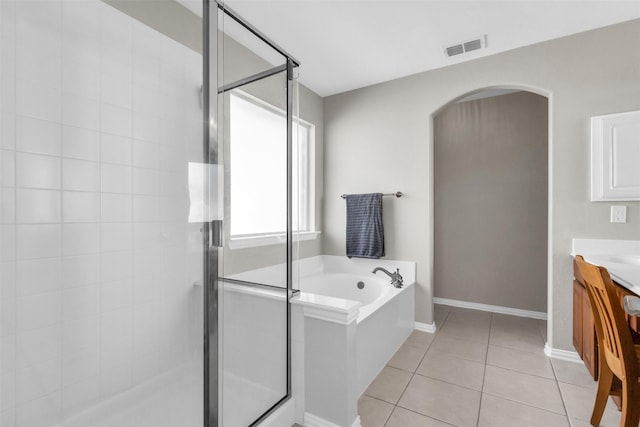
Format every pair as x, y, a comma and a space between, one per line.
379, 138
490, 201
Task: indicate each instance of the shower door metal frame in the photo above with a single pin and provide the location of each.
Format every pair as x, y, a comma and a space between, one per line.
211, 230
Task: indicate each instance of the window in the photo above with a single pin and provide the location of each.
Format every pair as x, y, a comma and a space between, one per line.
258, 180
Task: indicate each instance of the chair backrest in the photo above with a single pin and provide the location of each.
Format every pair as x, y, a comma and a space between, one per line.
614, 336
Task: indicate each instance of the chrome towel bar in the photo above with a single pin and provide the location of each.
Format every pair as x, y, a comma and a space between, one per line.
397, 194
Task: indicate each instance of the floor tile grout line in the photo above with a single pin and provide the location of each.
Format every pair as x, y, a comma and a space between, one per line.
564, 405
524, 404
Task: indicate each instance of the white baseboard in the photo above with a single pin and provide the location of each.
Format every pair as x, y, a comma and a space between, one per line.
311, 420
569, 356
425, 327
492, 308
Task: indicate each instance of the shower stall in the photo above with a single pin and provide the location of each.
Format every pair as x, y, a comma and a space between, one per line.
148, 160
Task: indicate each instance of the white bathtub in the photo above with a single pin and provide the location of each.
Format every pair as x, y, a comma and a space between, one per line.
386, 314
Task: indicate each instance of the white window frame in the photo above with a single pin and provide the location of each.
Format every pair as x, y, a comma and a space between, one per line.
265, 239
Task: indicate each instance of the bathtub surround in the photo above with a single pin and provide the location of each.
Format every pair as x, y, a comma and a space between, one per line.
583, 75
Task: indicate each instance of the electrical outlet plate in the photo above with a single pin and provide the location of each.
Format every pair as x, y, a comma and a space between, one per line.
618, 214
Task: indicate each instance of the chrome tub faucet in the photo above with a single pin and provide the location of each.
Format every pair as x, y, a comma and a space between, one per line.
396, 278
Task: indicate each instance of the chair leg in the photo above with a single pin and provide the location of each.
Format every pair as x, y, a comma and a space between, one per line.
605, 381
630, 416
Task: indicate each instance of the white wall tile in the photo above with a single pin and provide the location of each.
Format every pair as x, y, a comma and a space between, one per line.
145, 95
81, 302
38, 136
145, 208
79, 239
80, 76
79, 206
146, 127
80, 395
8, 317
116, 266
146, 235
143, 289
80, 111
145, 154
116, 294
116, 90
8, 417
38, 171
38, 276
39, 101
79, 335
117, 237
38, 241
7, 168
145, 181
81, 270
116, 120
38, 345
80, 175
115, 379
81, 365
116, 207
116, 149
7, 280
7, 242
8, 354
116, 337
80, 143
38, 206
38, 311
8, 391
41, 412
7, 206
116, 179
8, 128
38, 380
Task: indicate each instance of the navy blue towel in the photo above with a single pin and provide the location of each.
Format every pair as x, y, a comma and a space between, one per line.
365, 233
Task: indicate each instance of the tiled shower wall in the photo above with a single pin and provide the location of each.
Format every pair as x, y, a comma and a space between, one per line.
100, 116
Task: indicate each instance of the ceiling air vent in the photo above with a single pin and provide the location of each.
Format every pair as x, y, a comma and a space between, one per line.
467, 46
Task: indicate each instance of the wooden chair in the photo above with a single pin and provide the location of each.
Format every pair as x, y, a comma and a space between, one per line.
619, 356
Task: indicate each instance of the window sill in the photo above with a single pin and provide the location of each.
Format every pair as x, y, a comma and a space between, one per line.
269, 239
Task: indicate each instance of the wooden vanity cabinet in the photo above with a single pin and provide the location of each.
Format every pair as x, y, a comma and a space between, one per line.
584, 329
584, 332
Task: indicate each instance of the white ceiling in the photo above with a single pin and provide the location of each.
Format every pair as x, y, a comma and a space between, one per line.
348, 44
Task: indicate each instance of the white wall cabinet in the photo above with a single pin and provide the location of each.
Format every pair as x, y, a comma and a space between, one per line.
615, 157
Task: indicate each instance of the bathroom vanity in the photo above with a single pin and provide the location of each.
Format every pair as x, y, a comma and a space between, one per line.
622, 259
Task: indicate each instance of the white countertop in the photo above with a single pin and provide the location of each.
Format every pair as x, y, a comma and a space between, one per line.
620, 257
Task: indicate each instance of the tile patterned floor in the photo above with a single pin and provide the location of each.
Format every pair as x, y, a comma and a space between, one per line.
480, 370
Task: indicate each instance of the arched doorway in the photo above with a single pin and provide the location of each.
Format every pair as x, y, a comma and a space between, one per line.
491, 201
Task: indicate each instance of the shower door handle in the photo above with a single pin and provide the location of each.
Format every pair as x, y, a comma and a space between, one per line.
216, 233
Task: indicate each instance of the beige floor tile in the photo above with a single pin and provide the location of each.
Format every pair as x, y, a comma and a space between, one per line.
531, 390
373, 412
497, 412
542, 325
407, 358
440, 314
470, 316
420, 339
521, 361
573, 373
389, 384
466, 330
451, 369
446, 402
517, 339
460, 347
579, 402
509, 323
404, 418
